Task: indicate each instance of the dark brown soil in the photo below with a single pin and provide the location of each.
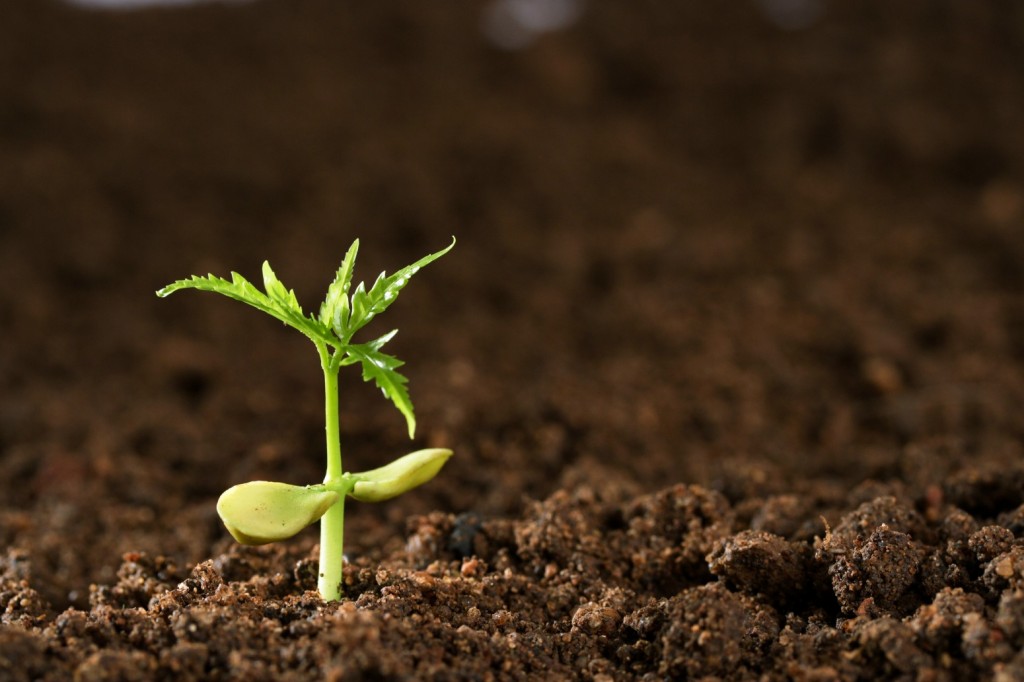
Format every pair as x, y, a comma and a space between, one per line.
730, 350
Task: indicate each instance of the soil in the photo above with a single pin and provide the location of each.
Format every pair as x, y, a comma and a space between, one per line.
730, 350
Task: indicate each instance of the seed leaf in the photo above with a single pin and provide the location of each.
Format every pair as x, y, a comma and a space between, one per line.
401, 475
259, 512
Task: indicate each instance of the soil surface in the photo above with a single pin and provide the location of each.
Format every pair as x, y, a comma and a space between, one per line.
730, 350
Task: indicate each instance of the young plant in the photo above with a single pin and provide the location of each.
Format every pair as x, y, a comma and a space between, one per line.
259, 512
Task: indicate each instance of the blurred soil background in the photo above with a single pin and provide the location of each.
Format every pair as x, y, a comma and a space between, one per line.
766, 248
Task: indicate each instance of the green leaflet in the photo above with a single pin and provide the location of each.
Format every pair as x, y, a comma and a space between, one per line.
368, 304
345, 315
380, 368
334, 312
278, 302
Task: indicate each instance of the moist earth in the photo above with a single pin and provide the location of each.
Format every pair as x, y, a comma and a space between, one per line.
730, 350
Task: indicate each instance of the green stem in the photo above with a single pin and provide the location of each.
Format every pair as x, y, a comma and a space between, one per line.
332, 524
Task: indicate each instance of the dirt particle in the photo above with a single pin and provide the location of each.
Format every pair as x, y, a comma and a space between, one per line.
185, 659
989, 542
1010, 617
126, 666
22, 655
423, 580
594, 619
892, 641
881, 569
756, 562
784, 515
203, 581
462, 538
706, 627
1005, 571
983, 643
501, 618
472, 568
882, 374
887, 510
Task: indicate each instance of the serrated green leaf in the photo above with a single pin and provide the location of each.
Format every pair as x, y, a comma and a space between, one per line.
278, 292
334, 312
380, 368
379, 342
278, 302
368, 304
359, 315
374, 345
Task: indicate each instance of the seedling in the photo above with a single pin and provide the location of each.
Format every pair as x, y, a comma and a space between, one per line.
259, 512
